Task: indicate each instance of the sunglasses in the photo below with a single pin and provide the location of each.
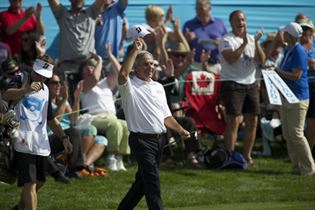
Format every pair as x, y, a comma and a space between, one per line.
177, 55
54, 82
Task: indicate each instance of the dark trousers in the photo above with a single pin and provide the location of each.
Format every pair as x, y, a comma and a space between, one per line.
147, 149
56, 146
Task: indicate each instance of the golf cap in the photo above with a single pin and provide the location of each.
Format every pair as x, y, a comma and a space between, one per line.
136, 31
43, 68
294, 29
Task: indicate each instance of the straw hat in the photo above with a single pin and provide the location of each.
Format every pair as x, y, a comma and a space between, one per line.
270, 37
307, 23
178, 48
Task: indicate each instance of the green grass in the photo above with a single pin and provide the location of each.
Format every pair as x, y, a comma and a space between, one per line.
266, 186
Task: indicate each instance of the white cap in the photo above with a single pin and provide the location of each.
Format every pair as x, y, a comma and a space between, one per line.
136, 31
294, 29
157, 65
43, 68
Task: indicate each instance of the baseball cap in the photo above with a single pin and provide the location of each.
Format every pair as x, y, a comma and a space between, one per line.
43, 68
136, 31
294, 29
157, 65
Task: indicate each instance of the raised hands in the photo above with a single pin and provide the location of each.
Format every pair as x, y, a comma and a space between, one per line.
245, 40
38, 10
108, 48
169, 14
29, 12
78, 90
138, 44
189, 35
169, 68
64, 91
41, 46
259, 34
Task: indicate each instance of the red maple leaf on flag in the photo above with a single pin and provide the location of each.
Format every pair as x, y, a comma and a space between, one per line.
203, 81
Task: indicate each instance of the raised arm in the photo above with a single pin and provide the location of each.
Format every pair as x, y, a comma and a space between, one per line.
90, 82
15, 26
76, 103
259, 54
112, 78
38, 15
55, 6
128, 64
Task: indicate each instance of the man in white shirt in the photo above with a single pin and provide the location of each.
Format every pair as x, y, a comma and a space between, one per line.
240, 53
147, 114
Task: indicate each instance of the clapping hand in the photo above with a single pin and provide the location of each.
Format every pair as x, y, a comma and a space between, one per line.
169, 14
189, 35
78, 90
259, 34
64, 91
245, 40
29, 12
38, 11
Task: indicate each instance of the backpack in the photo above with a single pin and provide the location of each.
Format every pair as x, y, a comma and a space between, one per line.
219, 157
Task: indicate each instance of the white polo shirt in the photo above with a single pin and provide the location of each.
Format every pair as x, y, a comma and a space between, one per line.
145, 106
242, 71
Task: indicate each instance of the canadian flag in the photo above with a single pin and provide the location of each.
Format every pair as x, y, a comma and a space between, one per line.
203, 83
201, 91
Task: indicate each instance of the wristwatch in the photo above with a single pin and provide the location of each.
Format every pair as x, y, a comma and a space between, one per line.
64, 137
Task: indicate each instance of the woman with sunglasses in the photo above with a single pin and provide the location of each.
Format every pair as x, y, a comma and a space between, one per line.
92, 145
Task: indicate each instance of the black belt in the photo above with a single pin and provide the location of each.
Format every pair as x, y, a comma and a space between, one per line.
147, 135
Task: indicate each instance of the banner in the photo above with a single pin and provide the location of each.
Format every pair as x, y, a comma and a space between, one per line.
280, 85
273, 93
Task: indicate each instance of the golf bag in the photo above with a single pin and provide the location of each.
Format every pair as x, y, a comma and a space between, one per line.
219, 157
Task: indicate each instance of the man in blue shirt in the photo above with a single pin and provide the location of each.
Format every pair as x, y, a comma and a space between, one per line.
109, 27
204, 32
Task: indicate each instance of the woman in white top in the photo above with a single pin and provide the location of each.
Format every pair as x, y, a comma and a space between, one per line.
97, 97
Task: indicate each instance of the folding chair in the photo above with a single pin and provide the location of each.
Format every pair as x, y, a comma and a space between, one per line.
202, 91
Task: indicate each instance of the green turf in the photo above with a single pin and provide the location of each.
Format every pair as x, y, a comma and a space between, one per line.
268, 185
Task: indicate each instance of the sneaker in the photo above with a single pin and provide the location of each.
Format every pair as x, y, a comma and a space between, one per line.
111, 164
120, 163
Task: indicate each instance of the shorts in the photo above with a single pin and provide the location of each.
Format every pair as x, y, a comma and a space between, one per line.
87, 130
101, 140
30, 168
240, 99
